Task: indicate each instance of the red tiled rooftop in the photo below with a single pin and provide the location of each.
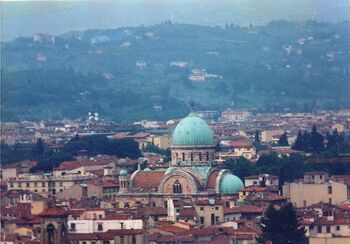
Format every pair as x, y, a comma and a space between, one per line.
241, 144
69, 165
244, 209
336, 221
131, 136
147, 179
187, 212
260, 189
173, 229
53, 212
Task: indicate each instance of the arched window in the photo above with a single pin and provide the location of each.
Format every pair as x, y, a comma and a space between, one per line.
177, 156
51, 233
207, 156
177, 188
183, 156
200, 156
133, 239
191, 157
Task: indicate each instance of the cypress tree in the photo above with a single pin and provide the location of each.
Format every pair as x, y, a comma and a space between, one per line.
299, 142
283, 140
282, 226
316, 140
257, 136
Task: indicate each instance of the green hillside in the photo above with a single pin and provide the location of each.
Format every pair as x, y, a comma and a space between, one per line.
126, 73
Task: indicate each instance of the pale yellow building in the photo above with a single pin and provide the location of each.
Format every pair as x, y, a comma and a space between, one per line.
268, 135
45, 184
163, 142
209, 212
316, 187
328, 240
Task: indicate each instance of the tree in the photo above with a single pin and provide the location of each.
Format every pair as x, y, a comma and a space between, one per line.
299, 143
269, 163
257, 136
316, 140
306, 142
283, 140
39, 147
241, 167
292, 168
281, 226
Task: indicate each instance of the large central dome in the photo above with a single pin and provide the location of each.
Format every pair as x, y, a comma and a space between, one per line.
192, 131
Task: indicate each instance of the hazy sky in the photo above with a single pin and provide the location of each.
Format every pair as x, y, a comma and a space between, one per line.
26, 18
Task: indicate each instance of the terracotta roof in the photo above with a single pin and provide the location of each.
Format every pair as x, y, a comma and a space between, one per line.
53, 212
187, 212
147, 179
109, 184
259, 189
241, 144
172, 229
227, 230
170, 238
109, 235
69, 165
115, 216
131, 136
75, 213
336, 221
268, 197
244, 209
345, 206
155, 211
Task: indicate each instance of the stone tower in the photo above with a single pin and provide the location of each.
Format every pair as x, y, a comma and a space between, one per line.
123, 181
54, 226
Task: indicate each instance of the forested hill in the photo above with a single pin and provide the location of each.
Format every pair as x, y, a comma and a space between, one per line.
130, 73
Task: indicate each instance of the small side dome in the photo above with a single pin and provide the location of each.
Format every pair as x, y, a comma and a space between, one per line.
147, 169
123, 172
231, 184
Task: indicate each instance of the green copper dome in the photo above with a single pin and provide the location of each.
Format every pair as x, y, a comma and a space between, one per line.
231, 184
192, 131
123, 172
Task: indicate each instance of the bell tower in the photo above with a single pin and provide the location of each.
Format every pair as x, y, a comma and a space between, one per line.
54, 226
123, 181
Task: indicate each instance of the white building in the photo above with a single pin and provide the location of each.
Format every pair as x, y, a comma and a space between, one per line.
256, 180
103, 225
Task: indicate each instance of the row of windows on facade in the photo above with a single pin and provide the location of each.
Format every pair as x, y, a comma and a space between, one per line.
99, 225
329, 201
53, 191
192, 156
213, 219
122, 241
328, 228
35, 184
